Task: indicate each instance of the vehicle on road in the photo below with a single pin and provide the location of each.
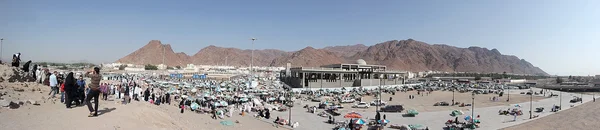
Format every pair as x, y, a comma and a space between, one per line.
361, 105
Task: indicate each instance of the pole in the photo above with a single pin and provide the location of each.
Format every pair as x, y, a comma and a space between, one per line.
291, 104
508, 94
453, 96
252, 58
560, 98
163, 55
1, 39
531, 104
473, 109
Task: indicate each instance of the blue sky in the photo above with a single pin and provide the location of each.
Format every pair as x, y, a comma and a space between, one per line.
561, 37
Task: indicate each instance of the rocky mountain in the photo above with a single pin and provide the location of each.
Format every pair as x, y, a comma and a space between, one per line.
409, 55
309, 57
347, 51
419, 56
152, 53
213, 55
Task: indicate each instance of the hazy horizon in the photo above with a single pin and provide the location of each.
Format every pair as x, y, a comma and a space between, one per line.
558, 36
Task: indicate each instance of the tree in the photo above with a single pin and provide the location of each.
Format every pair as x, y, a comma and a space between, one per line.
178, 67
477, 77
122, 67
559, 80
170, 68
504, 75
150, 67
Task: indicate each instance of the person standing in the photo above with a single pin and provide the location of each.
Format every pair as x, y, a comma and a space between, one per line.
126, 99
53, 85
80, 91
71, 90
94, 90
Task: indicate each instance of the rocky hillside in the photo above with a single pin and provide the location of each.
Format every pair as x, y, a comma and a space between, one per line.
213, 55
152, 53
347, 51
409, 55
419, 56
309, 57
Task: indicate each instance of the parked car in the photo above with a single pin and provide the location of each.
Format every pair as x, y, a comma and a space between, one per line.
392, 108
378, 102
361, 105
575, 99
441, 104
348, 101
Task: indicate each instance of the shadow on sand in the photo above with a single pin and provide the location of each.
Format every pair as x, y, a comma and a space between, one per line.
105, 110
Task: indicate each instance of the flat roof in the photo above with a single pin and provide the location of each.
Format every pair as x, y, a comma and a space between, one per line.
317, 69
336, 65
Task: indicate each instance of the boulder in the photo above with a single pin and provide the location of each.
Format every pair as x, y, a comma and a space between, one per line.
19, 89
13, 105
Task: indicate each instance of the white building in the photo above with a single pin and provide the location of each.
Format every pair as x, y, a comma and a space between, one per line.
162, 67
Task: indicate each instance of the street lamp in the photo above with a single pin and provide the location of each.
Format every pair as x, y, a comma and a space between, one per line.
252, 57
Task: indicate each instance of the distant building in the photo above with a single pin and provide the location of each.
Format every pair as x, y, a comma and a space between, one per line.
341, 75
162, 67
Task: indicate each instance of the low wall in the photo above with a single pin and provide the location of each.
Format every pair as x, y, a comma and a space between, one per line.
350, 88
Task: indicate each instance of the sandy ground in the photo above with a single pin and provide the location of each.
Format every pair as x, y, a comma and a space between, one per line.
51, 114
425, 103
583, 117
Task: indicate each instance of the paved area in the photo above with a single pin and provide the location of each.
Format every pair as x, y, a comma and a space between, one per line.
435, 120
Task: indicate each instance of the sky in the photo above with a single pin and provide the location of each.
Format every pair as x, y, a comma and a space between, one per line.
559, 36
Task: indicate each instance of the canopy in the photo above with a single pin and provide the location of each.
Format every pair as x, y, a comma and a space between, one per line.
352, 115
359, 121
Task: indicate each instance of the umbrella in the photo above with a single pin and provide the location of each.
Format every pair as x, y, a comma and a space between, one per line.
227, 123
415, 126
359, 122
194, 106
194, 90
217, 104
281, 98
467, 118
384, 121
413, 112
244, 99
224, 103
352, 115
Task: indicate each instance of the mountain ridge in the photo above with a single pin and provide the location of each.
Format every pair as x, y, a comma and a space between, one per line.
408, 55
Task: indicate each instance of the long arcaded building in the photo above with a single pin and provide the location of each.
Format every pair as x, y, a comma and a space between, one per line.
341, 75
